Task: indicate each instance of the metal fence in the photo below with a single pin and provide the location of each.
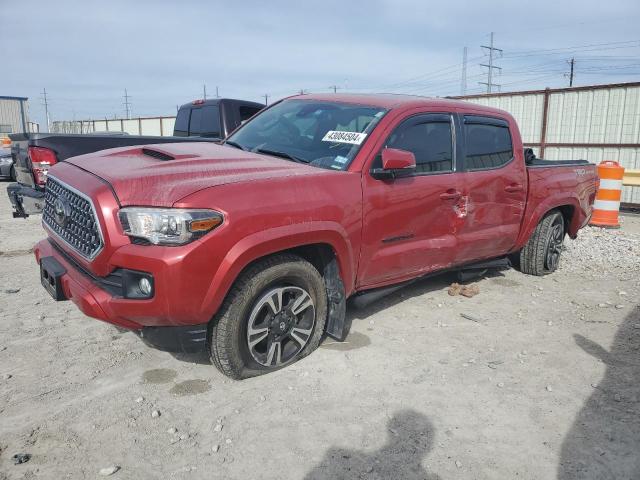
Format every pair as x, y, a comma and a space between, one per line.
156, 126
598, 122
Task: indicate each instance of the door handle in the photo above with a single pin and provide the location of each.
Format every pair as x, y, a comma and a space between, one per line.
450, 194
514, 187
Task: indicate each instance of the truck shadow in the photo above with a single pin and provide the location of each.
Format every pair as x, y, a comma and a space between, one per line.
604, 441
416, 289
410, 437
357, 340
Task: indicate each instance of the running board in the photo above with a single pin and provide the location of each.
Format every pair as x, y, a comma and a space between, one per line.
366, 297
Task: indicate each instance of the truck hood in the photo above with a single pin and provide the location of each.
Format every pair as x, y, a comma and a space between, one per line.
160, 175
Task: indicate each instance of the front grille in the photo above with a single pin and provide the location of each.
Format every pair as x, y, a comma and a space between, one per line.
70, 215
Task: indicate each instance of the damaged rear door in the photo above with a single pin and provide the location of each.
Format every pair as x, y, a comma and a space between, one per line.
494, 183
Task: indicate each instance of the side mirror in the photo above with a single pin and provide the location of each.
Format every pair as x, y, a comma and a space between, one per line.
395, 162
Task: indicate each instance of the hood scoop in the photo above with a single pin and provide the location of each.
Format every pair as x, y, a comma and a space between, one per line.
158, 154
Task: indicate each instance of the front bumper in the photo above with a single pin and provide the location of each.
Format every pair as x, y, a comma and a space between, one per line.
25, 200
98, 298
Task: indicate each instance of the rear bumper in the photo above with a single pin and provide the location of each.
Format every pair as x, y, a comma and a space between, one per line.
25, 200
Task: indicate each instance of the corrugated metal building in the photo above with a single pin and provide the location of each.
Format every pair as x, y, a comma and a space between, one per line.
599, 122
13, 115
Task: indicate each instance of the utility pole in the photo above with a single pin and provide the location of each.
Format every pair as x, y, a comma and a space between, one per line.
335, 88
463, 80
571, 63
490, 67
127, 104
204, 91
46, 108
217, 96
266, 98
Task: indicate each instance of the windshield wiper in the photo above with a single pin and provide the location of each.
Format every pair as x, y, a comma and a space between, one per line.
235, 144
276, 153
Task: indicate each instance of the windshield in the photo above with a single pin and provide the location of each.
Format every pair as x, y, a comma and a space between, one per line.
323, 134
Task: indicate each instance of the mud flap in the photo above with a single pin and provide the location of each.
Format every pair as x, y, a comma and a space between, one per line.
338, 325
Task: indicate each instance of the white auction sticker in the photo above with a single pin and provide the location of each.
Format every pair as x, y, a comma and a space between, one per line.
353, 138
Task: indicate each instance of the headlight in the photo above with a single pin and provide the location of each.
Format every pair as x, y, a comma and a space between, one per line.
168, 226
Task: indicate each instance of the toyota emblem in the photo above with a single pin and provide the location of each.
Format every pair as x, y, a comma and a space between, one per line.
61, 211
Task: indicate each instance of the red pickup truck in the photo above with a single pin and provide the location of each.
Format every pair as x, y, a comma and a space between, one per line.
250, 249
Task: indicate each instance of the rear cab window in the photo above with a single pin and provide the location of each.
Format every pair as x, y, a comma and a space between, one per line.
488, 143
198, 122
205, 121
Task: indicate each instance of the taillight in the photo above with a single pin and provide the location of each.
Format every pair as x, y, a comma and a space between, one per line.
41, 160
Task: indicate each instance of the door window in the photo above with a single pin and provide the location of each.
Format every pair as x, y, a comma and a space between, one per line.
181, 128
430, 141
488, 143
247, 112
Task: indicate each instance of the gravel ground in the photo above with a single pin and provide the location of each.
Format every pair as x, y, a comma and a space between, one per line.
539, 381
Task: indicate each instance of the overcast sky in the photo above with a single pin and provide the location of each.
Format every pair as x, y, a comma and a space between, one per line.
86, 53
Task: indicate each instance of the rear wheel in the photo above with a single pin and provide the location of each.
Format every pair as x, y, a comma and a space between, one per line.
12, 173
541, 255
274, 315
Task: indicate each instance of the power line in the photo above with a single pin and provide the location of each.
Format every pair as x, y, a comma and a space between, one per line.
571, 63
463, 80
46, 108
127, 104
490, 67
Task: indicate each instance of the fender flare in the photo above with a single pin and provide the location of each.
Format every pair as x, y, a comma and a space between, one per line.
550, 203
261, 244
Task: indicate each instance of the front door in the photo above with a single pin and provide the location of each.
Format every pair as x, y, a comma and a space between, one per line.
409, 222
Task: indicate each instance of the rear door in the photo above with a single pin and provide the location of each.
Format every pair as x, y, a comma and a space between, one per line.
494, 184
409, 222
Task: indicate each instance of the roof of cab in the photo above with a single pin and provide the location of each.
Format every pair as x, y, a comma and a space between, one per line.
391, 101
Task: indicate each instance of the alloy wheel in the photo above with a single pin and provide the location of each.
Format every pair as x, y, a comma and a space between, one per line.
280, 325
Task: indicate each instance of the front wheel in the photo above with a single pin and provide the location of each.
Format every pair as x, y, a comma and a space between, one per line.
274, 315
541, 255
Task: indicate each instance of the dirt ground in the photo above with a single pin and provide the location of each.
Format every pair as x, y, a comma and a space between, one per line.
543, 382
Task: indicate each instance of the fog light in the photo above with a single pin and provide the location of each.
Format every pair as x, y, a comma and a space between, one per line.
145, 286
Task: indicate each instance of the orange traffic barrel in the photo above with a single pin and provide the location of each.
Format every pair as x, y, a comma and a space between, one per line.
607, 204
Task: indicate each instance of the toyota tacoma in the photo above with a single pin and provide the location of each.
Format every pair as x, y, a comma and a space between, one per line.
251, 248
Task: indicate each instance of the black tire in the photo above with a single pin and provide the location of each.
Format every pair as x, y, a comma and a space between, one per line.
12, 173
541, 255
228, 337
